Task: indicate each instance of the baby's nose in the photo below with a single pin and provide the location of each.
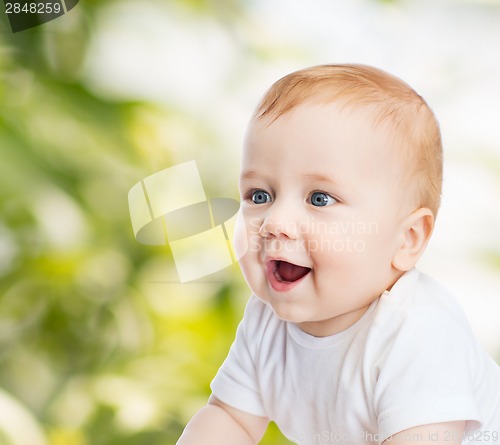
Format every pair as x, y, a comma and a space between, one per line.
280, 223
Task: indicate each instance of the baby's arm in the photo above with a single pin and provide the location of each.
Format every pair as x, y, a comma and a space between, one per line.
220, 424
446, 433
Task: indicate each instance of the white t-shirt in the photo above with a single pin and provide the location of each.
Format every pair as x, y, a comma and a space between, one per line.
410, 360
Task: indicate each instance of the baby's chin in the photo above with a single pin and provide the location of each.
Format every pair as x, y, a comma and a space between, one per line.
288, 311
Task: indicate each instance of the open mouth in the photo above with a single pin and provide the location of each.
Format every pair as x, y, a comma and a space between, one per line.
286, 272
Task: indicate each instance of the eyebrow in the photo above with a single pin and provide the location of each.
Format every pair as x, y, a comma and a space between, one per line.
319, 177
248, 174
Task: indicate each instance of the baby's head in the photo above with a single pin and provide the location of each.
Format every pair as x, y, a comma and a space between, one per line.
340, 183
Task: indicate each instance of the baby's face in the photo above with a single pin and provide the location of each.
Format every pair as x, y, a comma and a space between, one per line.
322, 211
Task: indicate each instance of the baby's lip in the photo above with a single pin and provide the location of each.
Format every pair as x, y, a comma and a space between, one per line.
269, 259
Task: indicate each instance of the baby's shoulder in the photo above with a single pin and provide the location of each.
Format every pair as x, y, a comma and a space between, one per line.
420, 308
416, 294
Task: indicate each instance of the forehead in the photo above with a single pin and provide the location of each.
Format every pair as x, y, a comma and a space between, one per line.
318, 137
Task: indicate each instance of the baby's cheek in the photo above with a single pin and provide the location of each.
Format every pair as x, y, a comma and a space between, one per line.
240, 237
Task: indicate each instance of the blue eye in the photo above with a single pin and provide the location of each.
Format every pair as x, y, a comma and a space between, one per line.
321, 199
260, 197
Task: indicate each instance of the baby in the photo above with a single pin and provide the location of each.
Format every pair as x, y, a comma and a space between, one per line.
343, 340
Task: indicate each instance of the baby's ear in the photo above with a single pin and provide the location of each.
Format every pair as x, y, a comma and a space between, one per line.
416, 232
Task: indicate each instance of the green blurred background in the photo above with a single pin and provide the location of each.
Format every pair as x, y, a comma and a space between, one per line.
99, 344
